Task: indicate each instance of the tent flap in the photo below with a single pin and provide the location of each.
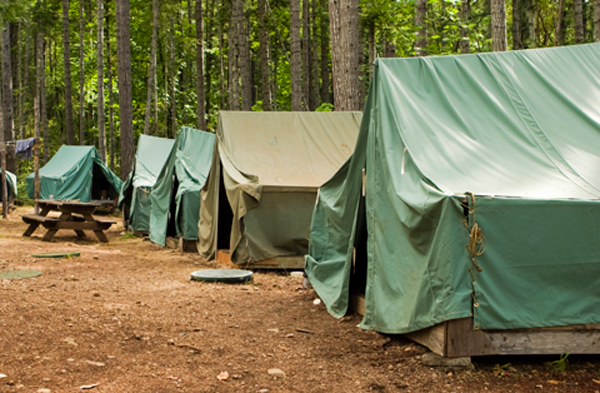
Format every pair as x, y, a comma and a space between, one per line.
183, 175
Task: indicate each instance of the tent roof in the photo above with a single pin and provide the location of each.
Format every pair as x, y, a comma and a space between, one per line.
523, 123
66, 160
151, 155
301, 149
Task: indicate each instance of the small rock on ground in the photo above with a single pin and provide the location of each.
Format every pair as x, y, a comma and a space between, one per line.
276, 372
431, 359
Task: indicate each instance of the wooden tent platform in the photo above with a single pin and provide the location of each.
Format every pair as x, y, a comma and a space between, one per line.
456, 338
289, 263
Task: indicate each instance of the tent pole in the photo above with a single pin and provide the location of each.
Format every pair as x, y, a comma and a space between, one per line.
3, 181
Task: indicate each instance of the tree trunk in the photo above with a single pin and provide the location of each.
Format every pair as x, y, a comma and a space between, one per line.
265, 48
371, 44
38, 104
324, 28
235, 30
81, 75
597, 20
465, 13
313, 97
306, 53
125, 89
421, 20
201, 108
579, 22
111, 111
516, 25
8, 132
498, 29
343, 16
67, 64
559, 35
246, 64
531, 14
296, 55
173, 73
100, 69
151, 68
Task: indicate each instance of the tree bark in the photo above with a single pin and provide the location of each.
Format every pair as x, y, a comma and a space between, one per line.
465, 13
100, 69
265, 48
498, 22
421, 20
579, 21
81, 75
324, 41
305, 54
67, 65
371, 44
531, 14
296, 55
201, 96
111, 111
8, 98
39, 104
597, 20
151, 68
343, 16
125, 89
246, 64
559, 36
516, 25
313, 97
235, 30
173, 79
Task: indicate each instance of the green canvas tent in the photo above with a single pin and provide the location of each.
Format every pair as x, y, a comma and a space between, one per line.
76, 173
175, 197
11, 181
150, 157
481, 195
265, 173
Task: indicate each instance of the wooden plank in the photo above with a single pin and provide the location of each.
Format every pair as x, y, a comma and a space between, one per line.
293, 262
35, 218
462, 340
545, 342
188, 245
434, 338
356, 303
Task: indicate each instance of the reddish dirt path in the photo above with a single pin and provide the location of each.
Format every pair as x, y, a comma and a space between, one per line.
125, 316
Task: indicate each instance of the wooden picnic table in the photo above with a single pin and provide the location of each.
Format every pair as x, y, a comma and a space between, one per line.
73, 215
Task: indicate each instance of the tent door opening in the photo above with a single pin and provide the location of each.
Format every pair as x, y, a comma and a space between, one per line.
101, 187
171, 229
224, 216
358, 273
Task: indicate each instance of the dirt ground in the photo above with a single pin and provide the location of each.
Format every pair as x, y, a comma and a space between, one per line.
125, 317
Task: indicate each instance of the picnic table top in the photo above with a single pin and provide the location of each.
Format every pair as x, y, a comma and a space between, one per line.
63, 202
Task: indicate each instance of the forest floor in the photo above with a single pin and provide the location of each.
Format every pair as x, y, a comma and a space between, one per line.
125, 317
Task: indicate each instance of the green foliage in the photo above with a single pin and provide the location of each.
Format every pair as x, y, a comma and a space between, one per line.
128, 236
325, 107
501, 370
561, 363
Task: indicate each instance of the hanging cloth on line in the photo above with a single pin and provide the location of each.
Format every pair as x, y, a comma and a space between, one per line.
24, 148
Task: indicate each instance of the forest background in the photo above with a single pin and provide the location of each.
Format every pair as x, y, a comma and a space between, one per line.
102, 72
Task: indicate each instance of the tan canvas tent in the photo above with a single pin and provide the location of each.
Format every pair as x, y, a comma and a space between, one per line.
263, 182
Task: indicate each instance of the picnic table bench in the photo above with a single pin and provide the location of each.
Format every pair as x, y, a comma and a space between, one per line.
73, 215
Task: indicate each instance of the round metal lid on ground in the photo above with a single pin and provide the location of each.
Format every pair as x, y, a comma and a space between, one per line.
17, 274
222, 275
